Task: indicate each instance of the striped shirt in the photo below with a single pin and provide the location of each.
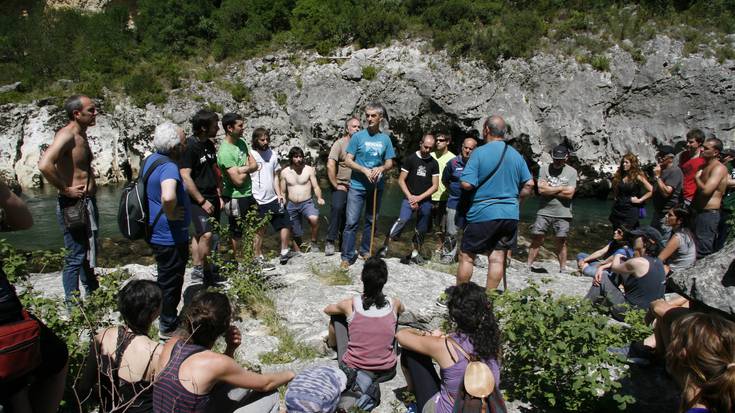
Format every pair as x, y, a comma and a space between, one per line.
168, 393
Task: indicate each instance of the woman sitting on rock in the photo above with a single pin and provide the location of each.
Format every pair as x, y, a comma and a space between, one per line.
701, 358
363, 329
588, 263
190, 370
680, 252
123, 358
631, 190
475, 332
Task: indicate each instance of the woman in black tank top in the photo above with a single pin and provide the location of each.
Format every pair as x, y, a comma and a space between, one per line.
122, 360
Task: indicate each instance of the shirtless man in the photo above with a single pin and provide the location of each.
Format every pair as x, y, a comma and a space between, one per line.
298, 180
711, 186
67, 165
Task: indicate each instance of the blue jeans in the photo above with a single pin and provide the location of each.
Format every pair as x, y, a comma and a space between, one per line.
355, 200
422, 223
76, 264
337, 212
591, 267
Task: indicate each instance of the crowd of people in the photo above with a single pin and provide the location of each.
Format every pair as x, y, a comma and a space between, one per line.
476, 194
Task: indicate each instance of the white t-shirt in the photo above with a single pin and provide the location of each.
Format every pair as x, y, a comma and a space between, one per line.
264, 190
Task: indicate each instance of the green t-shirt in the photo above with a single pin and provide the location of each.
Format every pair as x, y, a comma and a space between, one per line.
230, 155
441, 194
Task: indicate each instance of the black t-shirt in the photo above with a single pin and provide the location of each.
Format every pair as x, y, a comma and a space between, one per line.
420, 171
673, 177
201, 158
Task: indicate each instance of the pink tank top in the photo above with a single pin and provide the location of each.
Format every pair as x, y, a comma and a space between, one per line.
372, 336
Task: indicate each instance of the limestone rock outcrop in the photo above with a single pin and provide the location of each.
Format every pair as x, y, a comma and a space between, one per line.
711, 280
304, 99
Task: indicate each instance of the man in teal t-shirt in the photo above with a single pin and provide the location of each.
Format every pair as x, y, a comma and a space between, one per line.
236, 164
492, 220
369, 154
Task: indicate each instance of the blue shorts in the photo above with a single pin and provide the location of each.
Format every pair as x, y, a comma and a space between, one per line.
298, 209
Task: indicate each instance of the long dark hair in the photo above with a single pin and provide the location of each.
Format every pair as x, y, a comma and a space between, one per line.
470, 312
374, 277
684, 216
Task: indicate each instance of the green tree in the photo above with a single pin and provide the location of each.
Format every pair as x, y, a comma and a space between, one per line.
176, 26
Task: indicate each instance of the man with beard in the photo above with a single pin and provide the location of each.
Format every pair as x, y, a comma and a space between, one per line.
299, 180
711, 183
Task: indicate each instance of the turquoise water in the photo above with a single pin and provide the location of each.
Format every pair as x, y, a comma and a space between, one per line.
589, 228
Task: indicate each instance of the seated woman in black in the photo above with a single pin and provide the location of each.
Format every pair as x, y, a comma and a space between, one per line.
123, 360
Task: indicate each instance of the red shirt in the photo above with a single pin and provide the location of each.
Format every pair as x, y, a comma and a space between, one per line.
689, 168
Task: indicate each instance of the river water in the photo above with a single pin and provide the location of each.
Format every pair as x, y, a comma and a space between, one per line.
590, 227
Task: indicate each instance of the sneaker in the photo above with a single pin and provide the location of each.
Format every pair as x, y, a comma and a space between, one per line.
283, 259
164, 336
264, 265
197, 275
412, 408
344, 265
329, 249
633, 353
417, 259
313, 247
382, 252
442, 300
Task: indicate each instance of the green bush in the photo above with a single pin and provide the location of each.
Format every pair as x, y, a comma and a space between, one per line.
600, 62
369, 72
555, 351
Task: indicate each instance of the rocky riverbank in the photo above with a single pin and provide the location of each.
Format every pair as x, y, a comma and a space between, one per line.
304, 99
301, 290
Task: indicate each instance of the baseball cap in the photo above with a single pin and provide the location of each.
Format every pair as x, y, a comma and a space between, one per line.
649, 233
316, 389
666, 150
560, 152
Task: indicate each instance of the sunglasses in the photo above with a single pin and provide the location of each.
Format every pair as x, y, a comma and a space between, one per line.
441, 140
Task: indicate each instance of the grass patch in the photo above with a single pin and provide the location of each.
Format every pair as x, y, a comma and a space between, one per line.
445, 268
289, 349
331, 274
370, 72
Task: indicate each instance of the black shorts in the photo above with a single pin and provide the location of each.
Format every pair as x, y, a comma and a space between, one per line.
244, 205
54, 356
487, 236
279, 216
201, 220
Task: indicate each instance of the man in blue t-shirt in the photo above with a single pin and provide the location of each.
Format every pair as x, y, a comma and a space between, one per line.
369, 154
170, 215
492, 220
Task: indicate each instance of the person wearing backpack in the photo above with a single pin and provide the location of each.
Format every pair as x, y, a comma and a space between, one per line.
475, 333
170, 232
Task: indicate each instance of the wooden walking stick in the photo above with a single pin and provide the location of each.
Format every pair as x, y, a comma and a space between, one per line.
506, 262
372, 227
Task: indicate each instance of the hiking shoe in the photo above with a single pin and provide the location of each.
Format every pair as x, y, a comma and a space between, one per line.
264, 265
197, 275
442, 300
164, 336
382, 252
633, 354
287, 256
313, 247
344, 265
417, 259
412, 408
329, 249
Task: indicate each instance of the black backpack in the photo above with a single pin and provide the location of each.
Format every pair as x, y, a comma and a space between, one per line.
132, 214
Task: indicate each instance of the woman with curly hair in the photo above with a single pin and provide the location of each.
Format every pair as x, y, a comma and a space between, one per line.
701, 357
475, 331
628, 184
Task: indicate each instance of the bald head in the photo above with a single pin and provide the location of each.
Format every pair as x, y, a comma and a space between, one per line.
494, 128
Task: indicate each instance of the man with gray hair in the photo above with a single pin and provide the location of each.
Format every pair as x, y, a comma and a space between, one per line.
369, 154
339, 179
67, 165
169, 216
499, 177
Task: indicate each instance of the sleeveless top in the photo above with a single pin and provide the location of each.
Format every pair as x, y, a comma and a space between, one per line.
452, 376
372, 334
169, 395
10, 306
685, 254
136, 397
624, 212
640, 291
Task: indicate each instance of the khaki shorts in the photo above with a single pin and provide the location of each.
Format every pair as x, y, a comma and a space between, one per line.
560, 225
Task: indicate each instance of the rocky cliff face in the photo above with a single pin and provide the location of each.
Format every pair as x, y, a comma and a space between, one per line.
304, 100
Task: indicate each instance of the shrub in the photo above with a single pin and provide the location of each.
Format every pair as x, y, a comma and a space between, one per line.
240, 92
369, 72
555, 351
281, 99
600, 62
